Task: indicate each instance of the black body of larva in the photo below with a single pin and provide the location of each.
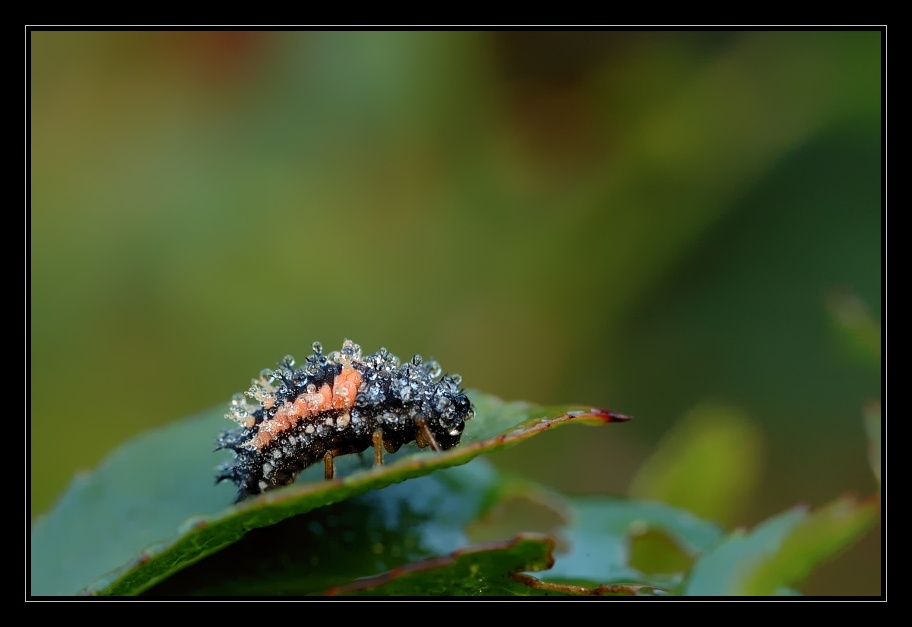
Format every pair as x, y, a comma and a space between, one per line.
400, 400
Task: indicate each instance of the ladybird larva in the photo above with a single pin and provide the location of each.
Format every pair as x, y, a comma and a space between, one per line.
290, 418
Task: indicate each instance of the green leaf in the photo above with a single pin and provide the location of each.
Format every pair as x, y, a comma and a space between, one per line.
416, 538
492, 569
602, 531
151, 510
720, 571
820, 536
781, 551
476, 571
709, 464
360, 537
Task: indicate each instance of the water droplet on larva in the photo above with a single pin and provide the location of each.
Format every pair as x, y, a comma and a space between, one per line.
434, 369
288, 360
351, 351
416, 359
317, 348
457, 378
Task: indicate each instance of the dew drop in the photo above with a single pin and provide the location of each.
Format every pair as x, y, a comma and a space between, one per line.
350, 351
457, 378
317, 348
288, 360
434, 369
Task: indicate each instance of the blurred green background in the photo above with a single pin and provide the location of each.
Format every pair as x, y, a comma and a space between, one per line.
645, 221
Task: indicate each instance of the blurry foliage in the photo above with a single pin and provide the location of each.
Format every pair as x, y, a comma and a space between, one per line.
709, 464
637, 220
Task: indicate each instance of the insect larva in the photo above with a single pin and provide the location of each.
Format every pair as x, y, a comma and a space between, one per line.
291, 418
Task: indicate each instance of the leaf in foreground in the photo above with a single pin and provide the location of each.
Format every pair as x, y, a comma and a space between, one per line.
419, 538
150, 509
492, 569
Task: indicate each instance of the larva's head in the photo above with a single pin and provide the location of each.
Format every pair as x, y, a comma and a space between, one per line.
451, 409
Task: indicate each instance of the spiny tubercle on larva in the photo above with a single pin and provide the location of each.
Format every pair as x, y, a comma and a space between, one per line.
334, 405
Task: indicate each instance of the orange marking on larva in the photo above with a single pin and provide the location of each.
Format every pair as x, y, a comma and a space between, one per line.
311, 403
326, 398
280, 418
345, 388
281, 422
261, 439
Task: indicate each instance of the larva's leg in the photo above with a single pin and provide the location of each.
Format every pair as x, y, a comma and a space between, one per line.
329, 466
377, 439
424, 437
